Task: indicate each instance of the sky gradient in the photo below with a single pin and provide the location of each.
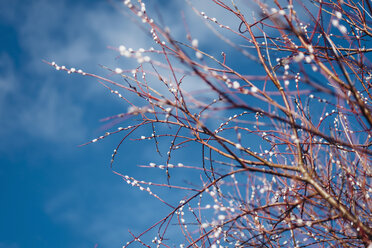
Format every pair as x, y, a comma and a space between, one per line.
55, 193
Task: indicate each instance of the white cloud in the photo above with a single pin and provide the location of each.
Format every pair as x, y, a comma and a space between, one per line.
74, 35
77, 36
8, 83
9, 89
53, 116
103, 217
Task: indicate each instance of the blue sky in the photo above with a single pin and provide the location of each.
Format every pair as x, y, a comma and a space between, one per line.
54, 193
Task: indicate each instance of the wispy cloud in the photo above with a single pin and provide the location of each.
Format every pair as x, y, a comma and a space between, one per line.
69, 34
7, 245
8, 83
106, 214
53, 116
44, 107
